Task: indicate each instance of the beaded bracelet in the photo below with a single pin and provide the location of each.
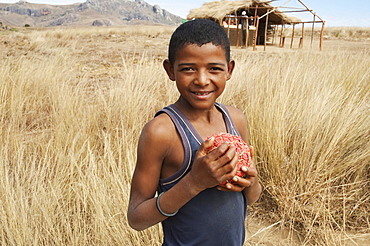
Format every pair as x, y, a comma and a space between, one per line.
160, 210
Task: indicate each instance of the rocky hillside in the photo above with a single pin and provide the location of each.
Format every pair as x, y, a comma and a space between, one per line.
91, 12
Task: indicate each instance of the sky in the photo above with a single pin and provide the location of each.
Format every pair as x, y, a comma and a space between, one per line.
334, 12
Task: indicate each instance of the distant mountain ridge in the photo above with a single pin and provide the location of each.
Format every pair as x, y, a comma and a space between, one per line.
91, 12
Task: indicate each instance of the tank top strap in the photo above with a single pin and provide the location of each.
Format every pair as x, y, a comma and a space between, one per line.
189, 142
230, 126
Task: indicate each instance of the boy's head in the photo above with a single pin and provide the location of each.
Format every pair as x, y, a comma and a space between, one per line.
198, 32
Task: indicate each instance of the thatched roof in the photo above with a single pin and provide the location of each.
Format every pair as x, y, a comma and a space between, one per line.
217, 10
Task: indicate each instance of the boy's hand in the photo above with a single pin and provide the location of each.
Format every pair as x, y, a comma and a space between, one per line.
249, 179
242, 183
250, 185
210, 169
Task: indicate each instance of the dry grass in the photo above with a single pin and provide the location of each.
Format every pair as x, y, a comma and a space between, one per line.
357, 33
73, 102
309, 118
346, 33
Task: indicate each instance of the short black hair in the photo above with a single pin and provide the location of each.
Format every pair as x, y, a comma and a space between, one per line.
199, 32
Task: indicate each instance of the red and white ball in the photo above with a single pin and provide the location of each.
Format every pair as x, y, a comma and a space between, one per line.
242, 150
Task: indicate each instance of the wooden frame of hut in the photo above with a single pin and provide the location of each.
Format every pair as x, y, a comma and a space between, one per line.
262, 19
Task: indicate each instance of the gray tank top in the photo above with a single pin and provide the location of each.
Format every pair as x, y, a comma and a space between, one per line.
213, 217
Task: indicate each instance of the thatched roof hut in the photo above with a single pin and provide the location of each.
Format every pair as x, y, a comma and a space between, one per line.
264, 21
217, 10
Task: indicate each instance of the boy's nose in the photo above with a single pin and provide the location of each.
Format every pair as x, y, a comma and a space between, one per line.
202, 79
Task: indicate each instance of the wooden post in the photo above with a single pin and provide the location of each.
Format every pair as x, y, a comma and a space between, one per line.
228, 26
255, 34
300, 42
313, 29
276, 28
281, 36
291, 41
322, 35
302, 38
247, 33
265, 41
255, 17
237, 29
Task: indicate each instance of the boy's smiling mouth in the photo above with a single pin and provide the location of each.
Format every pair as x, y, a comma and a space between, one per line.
202, 93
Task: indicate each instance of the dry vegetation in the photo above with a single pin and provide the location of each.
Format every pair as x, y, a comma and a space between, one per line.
73, 102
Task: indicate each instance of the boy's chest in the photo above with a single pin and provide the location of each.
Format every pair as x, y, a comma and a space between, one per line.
206, 129
176, 152
174, 158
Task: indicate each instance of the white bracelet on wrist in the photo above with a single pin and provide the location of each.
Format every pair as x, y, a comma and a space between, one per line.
159, 208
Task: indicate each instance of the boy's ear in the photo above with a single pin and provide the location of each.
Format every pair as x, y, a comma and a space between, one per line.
169, 69
230, 69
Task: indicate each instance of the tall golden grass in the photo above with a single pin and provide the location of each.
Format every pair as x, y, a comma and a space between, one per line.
73, 102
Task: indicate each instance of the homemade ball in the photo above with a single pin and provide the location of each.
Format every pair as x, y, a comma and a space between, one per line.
242, 150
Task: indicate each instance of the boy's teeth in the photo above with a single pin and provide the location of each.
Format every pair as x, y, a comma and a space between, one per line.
205, 93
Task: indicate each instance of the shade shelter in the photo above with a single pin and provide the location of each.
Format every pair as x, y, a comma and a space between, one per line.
263, 20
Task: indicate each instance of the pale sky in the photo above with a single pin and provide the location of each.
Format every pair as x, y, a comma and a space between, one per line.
334, 12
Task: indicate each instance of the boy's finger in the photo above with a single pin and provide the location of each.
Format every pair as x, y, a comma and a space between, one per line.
205, 145
251, 149
250, 171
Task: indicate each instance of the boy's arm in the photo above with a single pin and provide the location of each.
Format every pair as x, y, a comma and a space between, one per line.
153, 147
253, 188
150, 152
154, 143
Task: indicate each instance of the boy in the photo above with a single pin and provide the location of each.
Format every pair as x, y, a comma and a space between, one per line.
172, 156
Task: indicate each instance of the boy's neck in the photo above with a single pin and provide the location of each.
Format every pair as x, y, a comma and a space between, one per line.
205, 121
194, 114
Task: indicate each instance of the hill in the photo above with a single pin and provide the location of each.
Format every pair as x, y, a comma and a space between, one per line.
91, 12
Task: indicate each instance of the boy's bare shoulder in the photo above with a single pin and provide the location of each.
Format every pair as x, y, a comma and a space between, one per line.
240, 121
236, 114
159, 128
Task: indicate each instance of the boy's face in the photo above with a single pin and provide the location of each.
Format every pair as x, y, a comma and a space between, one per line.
200, 73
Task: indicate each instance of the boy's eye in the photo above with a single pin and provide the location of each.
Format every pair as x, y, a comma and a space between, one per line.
185, 69
217, 69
